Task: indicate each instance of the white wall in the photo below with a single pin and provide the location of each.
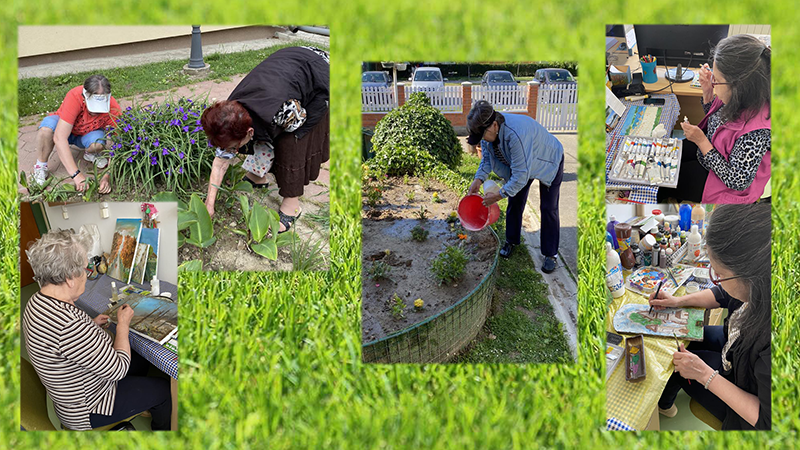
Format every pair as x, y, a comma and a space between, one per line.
87, 213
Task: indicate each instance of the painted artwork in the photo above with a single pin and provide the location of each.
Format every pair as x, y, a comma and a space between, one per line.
145, 264
123, 248
641, 120
645, 280
685, 323
154, 318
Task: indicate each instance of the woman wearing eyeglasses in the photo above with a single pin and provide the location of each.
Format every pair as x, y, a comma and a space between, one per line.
726, 157
731, 367
278, 117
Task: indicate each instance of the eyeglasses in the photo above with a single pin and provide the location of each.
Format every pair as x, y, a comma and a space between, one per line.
714, 277
714, 83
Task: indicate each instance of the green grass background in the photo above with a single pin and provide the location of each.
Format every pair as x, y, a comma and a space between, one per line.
273, 360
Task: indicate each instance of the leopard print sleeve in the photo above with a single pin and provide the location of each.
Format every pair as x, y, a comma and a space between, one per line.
739, 171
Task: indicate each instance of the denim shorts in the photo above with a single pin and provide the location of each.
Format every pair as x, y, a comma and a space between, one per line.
79, 141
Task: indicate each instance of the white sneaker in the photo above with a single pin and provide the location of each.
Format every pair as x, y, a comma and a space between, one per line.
99, 161
40, 174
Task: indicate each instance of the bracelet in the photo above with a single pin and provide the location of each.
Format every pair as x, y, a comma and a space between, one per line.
75, 174
711, 378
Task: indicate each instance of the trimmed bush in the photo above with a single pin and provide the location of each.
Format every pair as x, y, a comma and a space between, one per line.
407, 138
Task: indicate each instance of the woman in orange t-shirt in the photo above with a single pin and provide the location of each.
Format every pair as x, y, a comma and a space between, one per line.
81, 120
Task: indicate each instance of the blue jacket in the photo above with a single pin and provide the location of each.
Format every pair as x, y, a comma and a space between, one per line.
531, 150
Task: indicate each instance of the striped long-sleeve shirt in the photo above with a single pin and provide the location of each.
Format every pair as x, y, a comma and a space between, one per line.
74, 358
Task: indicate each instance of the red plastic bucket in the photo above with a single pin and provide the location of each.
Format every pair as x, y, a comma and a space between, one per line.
474, 216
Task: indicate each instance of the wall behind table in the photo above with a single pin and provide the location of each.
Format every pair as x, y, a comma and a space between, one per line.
86, 213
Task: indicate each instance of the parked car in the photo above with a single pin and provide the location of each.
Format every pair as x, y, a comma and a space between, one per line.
375, 79
427, 77
494, 78
551, 75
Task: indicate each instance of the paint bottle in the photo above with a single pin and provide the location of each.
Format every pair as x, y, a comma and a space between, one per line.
664, 243
637, 256
614, 278
685, 212
683, 237
694, 241
114, 293
647, 243
155, 286
662, 258
698, 217
654, 256
611, 232
659, 216
623, 231
676, 241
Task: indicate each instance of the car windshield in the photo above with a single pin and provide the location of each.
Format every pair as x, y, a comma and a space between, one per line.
501, 77
560, 75
371, 77
427, 75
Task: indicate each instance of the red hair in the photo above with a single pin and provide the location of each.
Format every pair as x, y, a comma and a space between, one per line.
225, 122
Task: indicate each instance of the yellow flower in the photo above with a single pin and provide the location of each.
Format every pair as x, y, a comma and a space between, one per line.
418, 303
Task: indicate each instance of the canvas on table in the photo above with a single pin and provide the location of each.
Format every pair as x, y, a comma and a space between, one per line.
123, 248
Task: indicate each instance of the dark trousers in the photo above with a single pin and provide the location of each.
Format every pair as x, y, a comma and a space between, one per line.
710, 351
691, 180
137, 393
548, 205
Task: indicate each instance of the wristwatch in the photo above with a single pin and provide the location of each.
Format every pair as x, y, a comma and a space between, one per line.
75, 174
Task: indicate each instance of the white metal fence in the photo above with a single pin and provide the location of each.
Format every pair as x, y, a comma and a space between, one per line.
446, 99
377, 99
557, 108
503, 98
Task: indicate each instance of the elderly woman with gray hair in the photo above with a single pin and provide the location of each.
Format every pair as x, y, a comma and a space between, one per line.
92, 380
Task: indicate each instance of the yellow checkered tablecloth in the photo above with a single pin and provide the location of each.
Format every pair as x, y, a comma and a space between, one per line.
633, 403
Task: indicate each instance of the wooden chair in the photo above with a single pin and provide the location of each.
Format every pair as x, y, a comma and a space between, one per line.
704, 416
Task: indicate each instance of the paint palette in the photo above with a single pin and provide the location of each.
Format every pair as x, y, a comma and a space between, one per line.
645, 280
635, 368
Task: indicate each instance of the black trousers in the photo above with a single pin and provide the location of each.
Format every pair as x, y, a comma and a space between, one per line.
137, 393
691, 180
548, 206
710, 351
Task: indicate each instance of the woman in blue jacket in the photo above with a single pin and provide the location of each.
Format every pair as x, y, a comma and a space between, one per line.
519, 150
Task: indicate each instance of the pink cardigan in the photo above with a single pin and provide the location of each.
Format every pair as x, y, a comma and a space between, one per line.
723, 141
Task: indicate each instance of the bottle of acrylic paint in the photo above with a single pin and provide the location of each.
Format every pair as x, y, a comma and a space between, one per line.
654, 256
659, 216
694, 241
623, 231
698, 217
662, 259
637, 256
614, 279
686, 216
611, 232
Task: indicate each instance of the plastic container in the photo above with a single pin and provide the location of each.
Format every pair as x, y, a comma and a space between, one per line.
685, 213
155, 286
474, 216
692, 287
491, 187
647, 243
623, 231
610, 229
614, 279
698, 217
673, 221
659, 216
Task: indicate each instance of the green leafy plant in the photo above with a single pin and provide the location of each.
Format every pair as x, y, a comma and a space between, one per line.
307, 254
423, 211
194, 265
405, 179
398, 307
160, 147
449, 265
410, 196
195, 217
419, 234
262, 229
452, 217
322, 217
435, 198
374, 195
426, 183
415, 129
379, 270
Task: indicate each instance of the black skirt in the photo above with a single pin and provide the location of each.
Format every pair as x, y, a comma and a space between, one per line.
297, 161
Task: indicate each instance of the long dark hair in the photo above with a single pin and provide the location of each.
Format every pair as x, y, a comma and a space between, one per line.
739, 237
744, 61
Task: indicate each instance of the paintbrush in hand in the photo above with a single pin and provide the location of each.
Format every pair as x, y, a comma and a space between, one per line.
658, 289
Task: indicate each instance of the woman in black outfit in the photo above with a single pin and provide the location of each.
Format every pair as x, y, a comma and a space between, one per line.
731, 368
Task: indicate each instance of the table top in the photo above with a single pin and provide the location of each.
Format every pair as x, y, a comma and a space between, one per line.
669, 116
682, 89
632, 404
94, 301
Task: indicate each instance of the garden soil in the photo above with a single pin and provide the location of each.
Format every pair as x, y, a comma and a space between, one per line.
386, 236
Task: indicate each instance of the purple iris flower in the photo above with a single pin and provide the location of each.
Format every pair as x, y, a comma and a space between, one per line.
134, 153
164, 151
197, 122
167, 172
181, 155
197, 129
180, 169
111, 154
155, 143
153, 162
185, 117
192, 141
130, 160
137, 147
186, 128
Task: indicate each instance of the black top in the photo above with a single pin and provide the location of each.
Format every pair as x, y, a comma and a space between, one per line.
299, 73
751, 370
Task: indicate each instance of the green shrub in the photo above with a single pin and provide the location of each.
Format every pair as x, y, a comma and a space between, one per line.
398, 306
415, 129
419, 234
379, 270
449, 265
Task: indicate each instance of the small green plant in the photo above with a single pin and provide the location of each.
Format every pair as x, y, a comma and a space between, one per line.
195, 217
307, 254
426, 183
449, 265
422, 213
374, 195
435, 198
405, 179
419, 234
398, 307
452, 217
263, 225
379, 270
322, 217
410, 195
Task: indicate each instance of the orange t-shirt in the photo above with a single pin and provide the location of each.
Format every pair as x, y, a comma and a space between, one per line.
73, 110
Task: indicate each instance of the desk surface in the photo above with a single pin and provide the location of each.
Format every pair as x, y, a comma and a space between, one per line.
680, 89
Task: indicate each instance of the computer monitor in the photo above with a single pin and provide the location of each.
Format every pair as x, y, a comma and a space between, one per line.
687, 45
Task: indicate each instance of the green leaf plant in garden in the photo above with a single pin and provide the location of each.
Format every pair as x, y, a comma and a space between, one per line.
262, 229
198, 221
449, 265
160, 147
